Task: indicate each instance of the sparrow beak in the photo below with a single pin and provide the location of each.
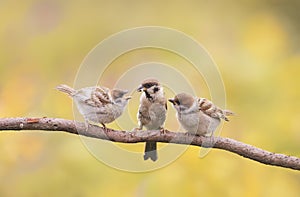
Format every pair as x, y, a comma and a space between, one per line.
141, 88
127, 97
171, 100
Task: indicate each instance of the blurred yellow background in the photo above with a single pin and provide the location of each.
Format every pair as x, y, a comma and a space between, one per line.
254, 43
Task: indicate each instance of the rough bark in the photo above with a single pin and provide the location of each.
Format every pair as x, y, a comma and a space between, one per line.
78, 128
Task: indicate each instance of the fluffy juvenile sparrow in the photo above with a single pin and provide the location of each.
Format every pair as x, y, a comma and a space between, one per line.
152, 112
198, 115
98, 104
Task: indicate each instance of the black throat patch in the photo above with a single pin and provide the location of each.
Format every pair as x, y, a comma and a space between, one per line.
148, 96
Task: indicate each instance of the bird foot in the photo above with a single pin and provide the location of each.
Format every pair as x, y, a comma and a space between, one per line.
87, 125
162, 131
137, 129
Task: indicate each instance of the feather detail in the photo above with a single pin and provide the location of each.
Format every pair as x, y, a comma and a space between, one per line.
99, 97
228, 112
207, 107
66, 89
102, 94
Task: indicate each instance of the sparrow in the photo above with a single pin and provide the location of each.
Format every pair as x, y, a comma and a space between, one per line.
198, 115
152, 112
98, 104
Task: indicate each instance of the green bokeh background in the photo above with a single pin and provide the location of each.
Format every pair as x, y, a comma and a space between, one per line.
254, 43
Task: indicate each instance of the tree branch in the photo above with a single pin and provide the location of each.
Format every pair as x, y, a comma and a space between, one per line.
78, 128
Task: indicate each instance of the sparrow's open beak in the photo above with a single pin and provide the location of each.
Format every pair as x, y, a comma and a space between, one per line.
171, 100
141, 88
127, 97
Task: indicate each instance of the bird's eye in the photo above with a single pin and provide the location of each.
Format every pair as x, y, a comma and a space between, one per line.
147, 85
